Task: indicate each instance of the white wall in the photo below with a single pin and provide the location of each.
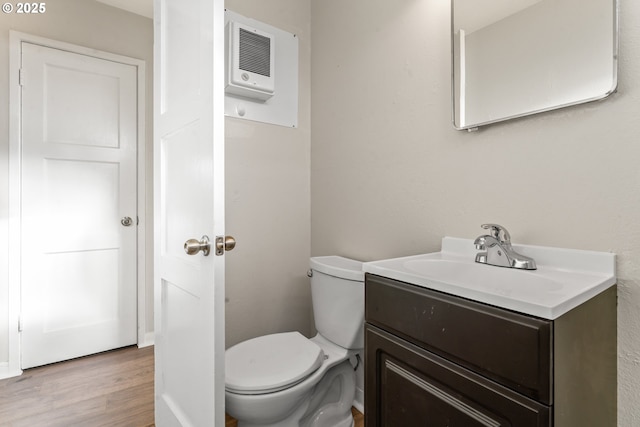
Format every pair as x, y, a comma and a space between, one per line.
267, 201
390, 176
84, 23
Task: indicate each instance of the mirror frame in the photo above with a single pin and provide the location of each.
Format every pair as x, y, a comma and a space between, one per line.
476, 126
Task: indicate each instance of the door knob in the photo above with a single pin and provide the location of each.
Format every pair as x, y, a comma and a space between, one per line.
126, 221
224, 243
193, 246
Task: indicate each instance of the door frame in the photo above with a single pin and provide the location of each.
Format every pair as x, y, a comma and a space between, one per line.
15, 149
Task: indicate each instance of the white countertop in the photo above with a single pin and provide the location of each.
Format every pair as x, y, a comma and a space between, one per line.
564, 279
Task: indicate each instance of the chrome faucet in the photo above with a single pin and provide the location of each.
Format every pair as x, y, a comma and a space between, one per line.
498, 249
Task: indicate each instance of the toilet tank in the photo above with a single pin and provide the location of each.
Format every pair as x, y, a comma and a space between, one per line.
337, 291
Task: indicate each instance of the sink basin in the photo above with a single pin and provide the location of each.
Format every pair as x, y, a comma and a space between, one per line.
564, 279
465, 274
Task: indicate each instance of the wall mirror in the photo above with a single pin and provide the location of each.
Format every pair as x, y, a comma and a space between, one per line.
512, 58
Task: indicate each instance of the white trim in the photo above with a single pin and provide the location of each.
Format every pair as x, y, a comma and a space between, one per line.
142, 201
148, 340
358, 401
14, 204
5, 372
15, 146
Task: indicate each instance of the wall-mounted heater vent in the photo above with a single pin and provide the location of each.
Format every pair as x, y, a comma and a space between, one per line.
250, 62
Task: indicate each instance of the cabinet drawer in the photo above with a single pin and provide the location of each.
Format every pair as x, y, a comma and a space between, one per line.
409, 386
512, 349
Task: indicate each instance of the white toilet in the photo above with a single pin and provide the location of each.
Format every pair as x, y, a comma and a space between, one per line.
287, 380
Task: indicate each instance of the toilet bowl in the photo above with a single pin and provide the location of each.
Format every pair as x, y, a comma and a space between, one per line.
288, 380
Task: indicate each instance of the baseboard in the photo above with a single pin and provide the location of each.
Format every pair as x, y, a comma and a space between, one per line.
6, 372
358, 402
147, 341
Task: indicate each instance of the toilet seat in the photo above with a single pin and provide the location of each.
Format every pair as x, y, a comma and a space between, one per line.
271, 363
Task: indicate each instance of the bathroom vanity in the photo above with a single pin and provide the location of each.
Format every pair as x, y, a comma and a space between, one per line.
440, 351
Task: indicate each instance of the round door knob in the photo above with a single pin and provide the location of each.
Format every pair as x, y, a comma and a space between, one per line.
126, 221
193, 246
229, 243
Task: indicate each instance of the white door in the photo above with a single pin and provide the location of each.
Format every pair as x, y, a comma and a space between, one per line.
78, 261
189, 204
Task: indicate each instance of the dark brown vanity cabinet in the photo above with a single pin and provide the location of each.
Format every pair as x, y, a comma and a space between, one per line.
436, 360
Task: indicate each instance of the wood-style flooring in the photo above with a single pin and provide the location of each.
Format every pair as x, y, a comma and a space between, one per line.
111, 389
108, 389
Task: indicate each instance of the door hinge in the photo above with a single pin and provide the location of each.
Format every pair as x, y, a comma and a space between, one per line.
19, 324
21, 77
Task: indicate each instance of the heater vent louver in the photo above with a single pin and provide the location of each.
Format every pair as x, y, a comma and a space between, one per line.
255, 53
250, 62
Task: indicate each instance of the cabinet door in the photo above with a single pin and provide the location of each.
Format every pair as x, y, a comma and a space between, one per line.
509, 348
407, 386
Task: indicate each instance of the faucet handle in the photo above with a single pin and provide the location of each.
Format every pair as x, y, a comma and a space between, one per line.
495, 230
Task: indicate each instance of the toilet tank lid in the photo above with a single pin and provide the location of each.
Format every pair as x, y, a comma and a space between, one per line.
338, 266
